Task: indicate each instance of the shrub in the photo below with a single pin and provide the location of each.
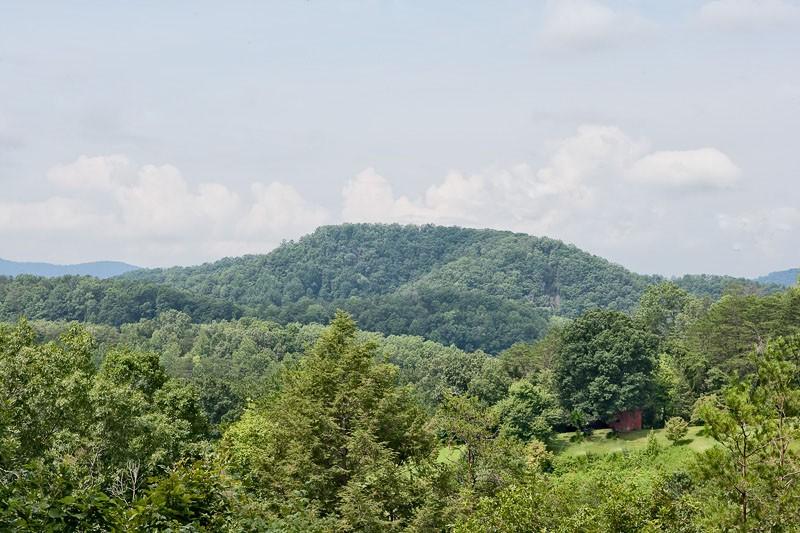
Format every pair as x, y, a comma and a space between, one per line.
653, 447
677, 428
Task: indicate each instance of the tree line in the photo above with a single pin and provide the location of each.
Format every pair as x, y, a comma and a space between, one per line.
251, 425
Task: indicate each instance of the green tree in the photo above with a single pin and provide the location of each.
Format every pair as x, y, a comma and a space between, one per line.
676, 429
662, 308
487, 460
755, 422
604, 365
339, 421
528, 412
45, 389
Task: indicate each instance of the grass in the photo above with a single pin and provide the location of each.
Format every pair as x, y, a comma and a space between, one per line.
449, 454
602, 443
599, 442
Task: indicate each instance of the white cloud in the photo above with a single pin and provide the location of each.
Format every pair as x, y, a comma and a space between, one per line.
368, 197
279, 210
153, 214
595, 189
762, 221
55, 215
705, 168
587, 24
748, 14
521, 197
89, 172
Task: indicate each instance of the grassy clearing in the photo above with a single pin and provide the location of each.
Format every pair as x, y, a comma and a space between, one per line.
449, 454
601, 443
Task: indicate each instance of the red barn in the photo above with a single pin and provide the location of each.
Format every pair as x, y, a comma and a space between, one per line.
627, 421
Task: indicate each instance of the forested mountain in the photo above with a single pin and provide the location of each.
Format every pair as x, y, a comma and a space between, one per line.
475, 288
108, 301
100, 269
787, 278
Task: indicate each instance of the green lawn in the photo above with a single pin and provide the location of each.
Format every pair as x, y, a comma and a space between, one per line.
449, 454
600, 443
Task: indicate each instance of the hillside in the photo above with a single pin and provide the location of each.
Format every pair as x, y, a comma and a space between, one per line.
107, 301
787, 278
99, 269
478, 289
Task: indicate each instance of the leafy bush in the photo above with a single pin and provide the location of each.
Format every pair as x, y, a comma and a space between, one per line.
677, 428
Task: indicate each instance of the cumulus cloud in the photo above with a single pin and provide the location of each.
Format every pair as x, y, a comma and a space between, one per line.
89, 172
54, 215
584, 171
588, 24
748, 14
160, 203
278, 209
762, 221
457, 199
599, 188
705, 168
368, 197
155, 213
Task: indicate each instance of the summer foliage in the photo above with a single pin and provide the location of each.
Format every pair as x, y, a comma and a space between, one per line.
187, 416
477, 289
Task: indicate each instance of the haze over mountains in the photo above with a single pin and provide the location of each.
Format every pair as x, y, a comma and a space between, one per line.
98, 269
787, 278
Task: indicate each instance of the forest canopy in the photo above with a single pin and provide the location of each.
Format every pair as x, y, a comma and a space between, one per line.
246, 424
476, 289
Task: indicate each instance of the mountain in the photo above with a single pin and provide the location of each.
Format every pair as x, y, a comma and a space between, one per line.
787, 278
100, 269
475, 288
103, 301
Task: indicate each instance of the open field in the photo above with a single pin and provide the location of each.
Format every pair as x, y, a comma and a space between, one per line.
601, 443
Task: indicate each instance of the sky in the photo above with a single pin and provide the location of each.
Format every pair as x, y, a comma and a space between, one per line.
660, 135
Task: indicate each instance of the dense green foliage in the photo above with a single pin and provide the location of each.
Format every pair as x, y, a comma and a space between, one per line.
238, 425
162, 420
477, 289
111, 301
604, 366
341, 432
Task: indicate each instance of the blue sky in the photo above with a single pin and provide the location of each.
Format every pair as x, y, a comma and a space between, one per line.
661, 135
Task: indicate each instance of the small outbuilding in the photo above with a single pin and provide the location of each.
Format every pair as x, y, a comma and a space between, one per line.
625, 421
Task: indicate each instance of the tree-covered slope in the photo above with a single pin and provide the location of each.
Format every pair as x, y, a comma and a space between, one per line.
478, 289
369, 260
333, 263
109, 301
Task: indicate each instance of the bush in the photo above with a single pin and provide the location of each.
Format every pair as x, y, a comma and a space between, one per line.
653, 447
677, 428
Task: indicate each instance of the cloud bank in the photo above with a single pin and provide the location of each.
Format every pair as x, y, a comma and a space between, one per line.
599, 182
153, 214
599, 188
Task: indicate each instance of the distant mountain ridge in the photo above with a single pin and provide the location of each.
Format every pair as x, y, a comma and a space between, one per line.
787, 278
98, 269
475, 288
